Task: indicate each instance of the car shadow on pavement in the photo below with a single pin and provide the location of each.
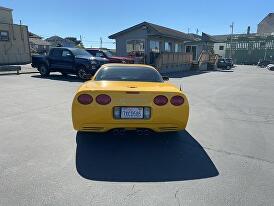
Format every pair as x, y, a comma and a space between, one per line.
181, 74
60, 77
133, 158
225, 70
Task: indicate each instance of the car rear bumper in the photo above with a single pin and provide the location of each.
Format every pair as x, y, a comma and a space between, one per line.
157, 127
101, 120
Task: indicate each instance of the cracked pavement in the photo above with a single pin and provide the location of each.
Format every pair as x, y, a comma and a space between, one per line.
225, 157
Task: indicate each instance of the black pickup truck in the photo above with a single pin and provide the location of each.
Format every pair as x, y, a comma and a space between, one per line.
68, 61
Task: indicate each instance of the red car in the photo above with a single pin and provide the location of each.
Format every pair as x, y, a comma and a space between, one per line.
108, 55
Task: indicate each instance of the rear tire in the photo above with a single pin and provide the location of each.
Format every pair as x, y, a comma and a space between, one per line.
44, 70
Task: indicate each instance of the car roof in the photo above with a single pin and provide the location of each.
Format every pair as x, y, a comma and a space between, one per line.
121, 65
128, 65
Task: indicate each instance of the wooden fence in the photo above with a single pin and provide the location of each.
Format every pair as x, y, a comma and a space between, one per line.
173, 60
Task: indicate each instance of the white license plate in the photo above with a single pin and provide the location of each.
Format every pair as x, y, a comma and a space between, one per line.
132, 113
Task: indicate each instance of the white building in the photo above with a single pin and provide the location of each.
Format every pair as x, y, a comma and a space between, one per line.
219, 48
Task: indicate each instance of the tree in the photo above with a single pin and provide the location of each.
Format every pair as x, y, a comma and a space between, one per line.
80, 45
73, 39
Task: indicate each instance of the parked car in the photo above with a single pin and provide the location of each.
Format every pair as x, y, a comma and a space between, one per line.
224, 63
108, 55
109, 101
68, 61
270, 67
263, 63
229, 62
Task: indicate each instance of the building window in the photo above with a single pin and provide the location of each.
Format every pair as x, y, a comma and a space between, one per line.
135, 46
168, 46
221, 47
4, 36
188, 49
40, 47
179, 47
154, 46
129, 47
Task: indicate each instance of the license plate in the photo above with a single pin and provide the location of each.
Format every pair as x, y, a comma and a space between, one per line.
132, 113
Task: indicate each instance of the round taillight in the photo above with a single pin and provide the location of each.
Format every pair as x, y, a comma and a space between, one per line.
177, 100
160, 100
85, 99
103, 99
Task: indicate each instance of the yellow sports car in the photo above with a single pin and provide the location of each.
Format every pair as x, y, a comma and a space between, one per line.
129, 97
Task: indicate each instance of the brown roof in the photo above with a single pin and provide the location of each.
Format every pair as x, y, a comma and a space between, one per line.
161, 30
267, 17
32, 35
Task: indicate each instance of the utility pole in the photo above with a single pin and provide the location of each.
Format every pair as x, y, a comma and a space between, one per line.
81, 43
232, 28
101, 42
188, 30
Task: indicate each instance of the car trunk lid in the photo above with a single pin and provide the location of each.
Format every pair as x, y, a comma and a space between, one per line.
130, 87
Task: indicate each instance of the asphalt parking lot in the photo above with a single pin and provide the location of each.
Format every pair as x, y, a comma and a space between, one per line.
225, 157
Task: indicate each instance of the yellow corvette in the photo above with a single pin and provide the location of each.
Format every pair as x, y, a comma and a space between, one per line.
129, 97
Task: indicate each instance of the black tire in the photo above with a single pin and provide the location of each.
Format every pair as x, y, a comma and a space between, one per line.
82, 73
44, 70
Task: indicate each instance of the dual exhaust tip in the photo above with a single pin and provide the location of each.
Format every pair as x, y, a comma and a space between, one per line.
139, 132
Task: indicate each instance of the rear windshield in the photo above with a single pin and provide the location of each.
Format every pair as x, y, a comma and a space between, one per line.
139, 74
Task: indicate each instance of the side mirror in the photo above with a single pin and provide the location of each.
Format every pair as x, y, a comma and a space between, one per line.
165, 78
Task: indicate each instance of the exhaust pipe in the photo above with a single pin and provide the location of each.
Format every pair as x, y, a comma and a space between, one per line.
119, 132
122, 132
116, 132
140, 132
147, 132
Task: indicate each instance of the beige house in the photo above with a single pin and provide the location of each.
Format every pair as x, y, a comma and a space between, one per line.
14, 40
38, 45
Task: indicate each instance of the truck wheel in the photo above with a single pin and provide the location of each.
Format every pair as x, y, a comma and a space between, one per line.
44, 70
82, 74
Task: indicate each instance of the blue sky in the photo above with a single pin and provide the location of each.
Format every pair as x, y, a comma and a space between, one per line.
95, 19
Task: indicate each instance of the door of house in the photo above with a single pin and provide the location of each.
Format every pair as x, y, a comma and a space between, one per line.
194, 52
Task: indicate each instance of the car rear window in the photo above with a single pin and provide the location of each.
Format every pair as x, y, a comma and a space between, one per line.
140, 74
